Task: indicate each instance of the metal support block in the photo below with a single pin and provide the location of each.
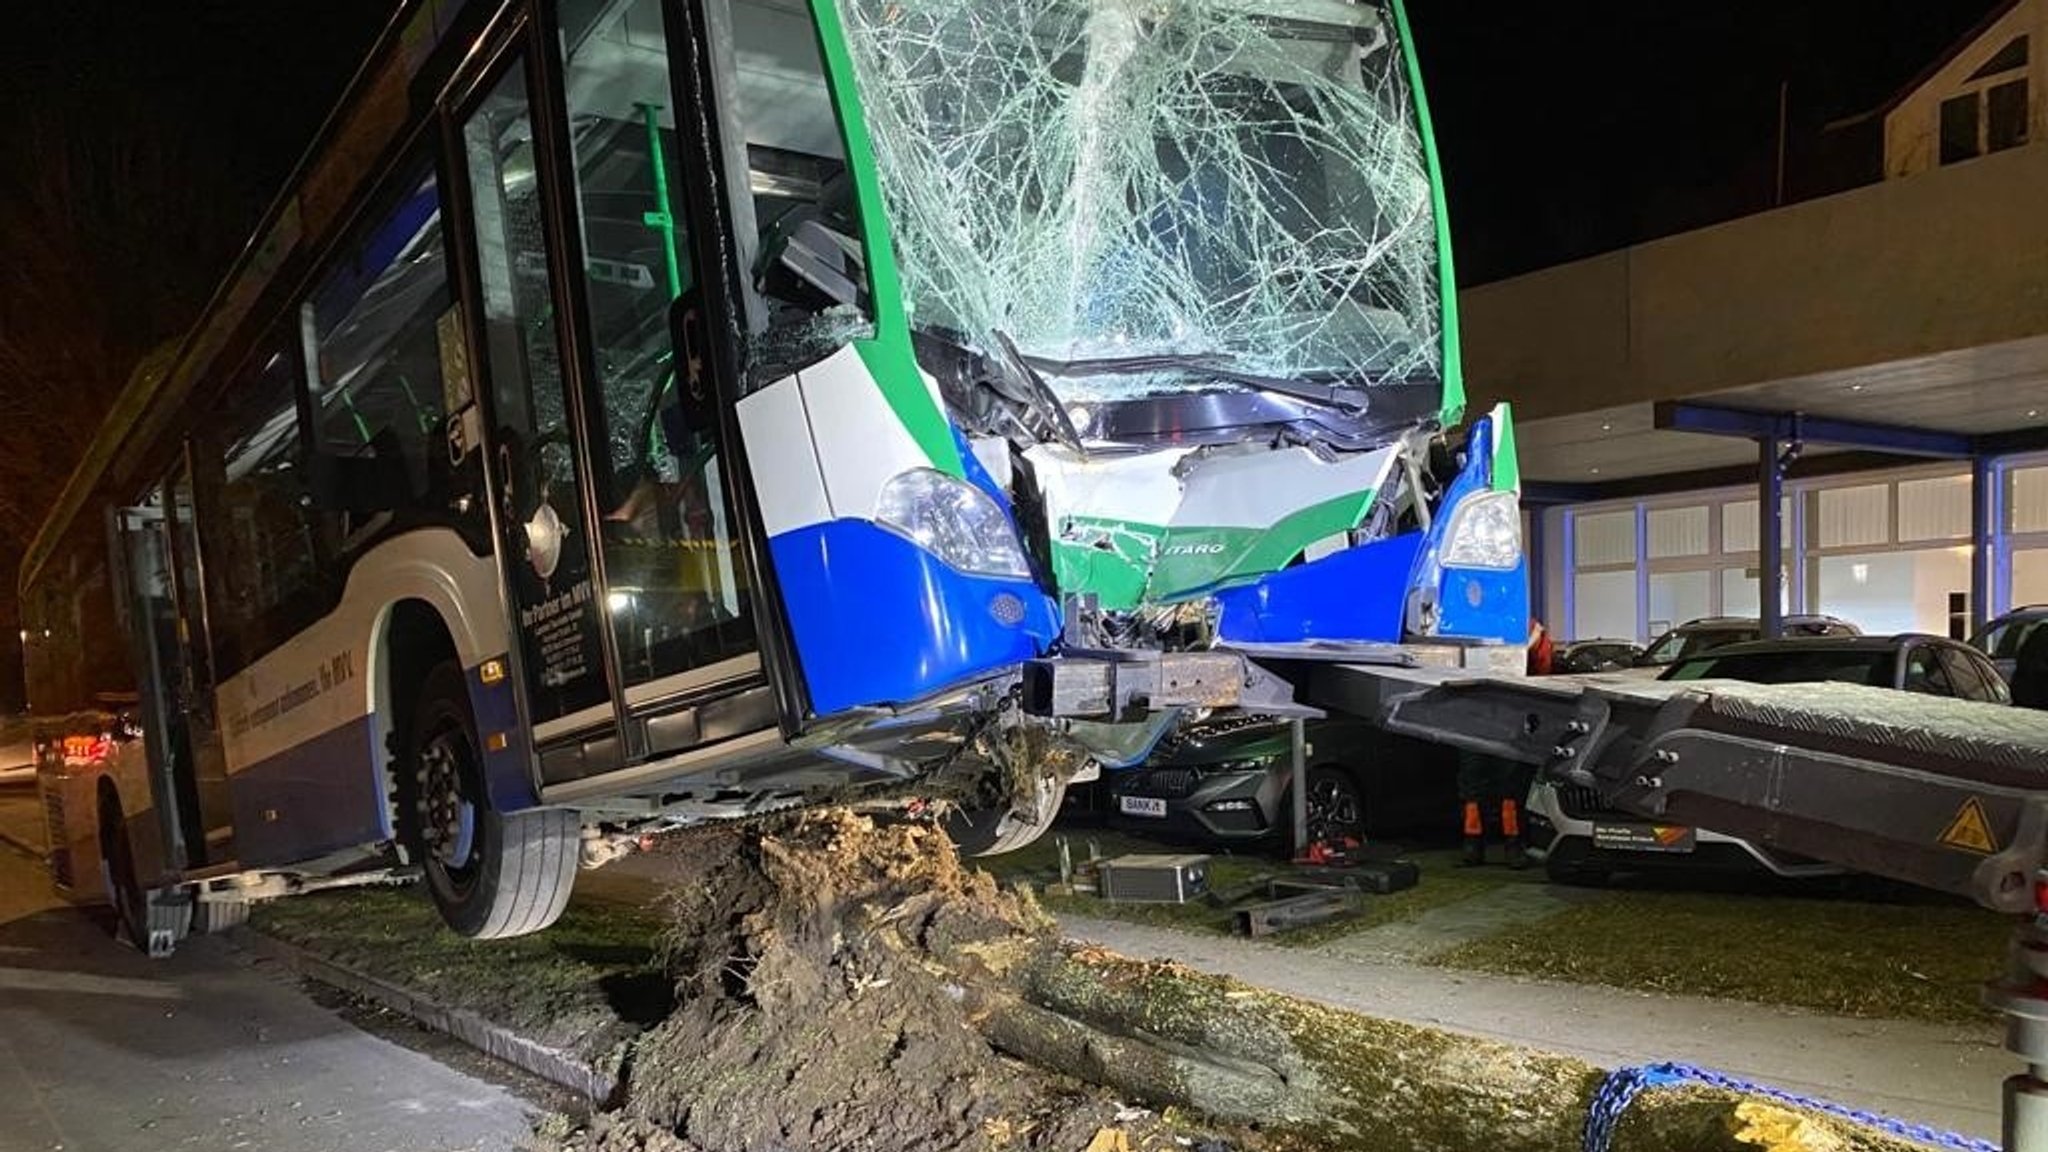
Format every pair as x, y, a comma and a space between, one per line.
1294, 912
2023, 998
1117, 685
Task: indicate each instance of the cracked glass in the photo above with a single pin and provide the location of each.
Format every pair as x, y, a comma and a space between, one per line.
1114, 181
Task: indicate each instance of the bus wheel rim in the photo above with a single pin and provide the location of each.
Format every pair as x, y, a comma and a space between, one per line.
447, 817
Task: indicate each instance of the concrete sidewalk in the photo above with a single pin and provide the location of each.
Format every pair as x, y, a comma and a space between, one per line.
1947, 1076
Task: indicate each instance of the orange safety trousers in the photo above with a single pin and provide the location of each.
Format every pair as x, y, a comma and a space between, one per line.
1510, 820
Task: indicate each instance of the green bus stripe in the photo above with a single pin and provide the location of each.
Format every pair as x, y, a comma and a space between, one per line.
1507, 456
1453, 407
888, 356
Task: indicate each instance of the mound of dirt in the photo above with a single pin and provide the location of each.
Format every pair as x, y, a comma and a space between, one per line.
813, 1014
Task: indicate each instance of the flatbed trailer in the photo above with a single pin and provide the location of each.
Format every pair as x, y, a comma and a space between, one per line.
1945, 794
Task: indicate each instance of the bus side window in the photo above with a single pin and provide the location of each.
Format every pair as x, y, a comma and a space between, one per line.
373, 352
268, 551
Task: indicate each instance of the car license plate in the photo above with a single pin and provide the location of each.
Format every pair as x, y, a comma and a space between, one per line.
1141, 805
1644, 837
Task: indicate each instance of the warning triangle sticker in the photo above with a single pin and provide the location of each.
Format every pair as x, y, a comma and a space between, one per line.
1970, 830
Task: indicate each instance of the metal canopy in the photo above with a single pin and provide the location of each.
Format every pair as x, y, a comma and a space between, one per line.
1780, 439
1801, 428
1993, 395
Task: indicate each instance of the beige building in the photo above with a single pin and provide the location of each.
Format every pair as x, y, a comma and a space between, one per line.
1891, 341
1982, 97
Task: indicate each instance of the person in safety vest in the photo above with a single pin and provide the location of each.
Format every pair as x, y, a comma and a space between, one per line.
1490, 789
1542, 653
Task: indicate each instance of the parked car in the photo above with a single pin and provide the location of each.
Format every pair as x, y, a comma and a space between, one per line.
2001, 638
1225, 782
1578, 838
1704, 635
1597, 656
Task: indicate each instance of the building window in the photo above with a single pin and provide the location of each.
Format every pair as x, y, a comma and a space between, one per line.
2010, 58
2005, 116
1959, 128
1937, 508
1990, 114
1678, 532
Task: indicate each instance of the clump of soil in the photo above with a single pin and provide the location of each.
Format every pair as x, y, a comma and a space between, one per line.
812, 1013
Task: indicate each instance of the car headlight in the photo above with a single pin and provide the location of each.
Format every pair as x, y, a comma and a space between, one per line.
954, 521
1485, 532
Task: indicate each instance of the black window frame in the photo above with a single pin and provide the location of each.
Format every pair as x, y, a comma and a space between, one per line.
432, 494
238, 639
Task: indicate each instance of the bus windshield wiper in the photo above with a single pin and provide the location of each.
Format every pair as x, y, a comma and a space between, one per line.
1212, 366
1038, 395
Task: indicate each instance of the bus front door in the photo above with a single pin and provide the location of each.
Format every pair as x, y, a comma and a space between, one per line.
204, 758
630, 607
150, 602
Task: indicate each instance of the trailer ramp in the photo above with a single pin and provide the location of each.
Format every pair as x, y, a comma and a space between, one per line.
1946, 794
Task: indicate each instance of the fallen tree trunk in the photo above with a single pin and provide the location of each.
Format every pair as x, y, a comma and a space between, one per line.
834, 977
1328, 1078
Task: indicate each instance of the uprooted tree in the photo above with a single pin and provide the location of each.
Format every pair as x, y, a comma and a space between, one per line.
844, 984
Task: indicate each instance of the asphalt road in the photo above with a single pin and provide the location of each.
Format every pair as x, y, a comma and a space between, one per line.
104, 1050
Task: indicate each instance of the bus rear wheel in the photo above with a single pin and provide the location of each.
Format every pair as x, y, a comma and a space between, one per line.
491, 874
153, 921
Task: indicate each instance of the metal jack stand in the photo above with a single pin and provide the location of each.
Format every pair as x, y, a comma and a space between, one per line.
2023, 997
1299, 779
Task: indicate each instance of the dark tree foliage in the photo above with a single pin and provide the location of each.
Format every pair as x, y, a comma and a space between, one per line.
141, 145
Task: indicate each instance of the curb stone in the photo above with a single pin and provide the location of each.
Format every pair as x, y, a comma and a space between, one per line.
550, 1064
22, 845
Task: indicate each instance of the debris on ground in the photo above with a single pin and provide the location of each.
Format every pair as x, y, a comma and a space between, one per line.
831, 983
812, 1011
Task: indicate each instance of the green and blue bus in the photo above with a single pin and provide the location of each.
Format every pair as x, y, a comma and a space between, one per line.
643, 412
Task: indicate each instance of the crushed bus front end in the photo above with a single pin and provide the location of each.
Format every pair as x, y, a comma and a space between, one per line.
1161, 391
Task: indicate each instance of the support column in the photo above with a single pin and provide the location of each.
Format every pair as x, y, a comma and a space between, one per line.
1539, 570
1987, 540
1770, 539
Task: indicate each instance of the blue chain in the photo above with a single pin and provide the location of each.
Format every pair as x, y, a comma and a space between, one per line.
1623, 1085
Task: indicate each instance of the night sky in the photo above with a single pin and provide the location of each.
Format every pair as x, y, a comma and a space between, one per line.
1567, 128
251, 79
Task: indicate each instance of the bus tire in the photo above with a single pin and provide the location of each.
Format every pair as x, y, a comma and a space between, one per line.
492, 875
153, 920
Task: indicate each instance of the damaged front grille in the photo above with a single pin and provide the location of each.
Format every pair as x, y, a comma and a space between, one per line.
1171, 783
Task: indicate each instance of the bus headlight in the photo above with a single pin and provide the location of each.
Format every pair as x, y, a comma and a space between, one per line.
1485, 532
954, 521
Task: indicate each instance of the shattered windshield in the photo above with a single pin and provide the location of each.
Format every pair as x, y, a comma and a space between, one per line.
1113, 179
